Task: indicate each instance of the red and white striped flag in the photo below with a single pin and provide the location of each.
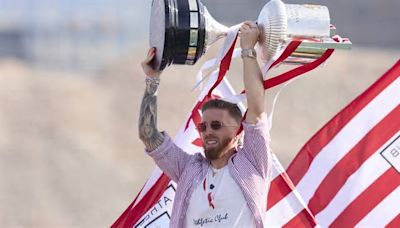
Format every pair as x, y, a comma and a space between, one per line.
348, 173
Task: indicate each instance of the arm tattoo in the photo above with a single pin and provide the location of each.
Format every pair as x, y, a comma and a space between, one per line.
148, 131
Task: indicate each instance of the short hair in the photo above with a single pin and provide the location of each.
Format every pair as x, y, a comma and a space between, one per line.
233, 109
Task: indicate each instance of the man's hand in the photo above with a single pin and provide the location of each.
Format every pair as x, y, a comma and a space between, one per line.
249, 34
146, 64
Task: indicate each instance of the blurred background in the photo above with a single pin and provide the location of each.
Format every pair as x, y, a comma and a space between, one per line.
71, 86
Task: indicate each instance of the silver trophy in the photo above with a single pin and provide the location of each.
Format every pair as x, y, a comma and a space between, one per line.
182, 30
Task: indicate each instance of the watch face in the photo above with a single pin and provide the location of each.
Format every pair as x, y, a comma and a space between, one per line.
249, 53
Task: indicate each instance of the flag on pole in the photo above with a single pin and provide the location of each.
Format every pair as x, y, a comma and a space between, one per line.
348, 173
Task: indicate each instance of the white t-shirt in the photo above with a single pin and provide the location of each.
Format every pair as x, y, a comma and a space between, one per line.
218, 202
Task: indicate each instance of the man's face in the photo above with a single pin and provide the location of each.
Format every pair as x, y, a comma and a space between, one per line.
217, 142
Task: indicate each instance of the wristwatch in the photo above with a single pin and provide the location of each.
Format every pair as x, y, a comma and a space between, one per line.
249, 52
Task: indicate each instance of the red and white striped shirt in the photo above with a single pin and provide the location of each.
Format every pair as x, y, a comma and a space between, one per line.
250, 167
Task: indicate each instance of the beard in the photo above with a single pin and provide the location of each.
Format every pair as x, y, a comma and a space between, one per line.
215, 152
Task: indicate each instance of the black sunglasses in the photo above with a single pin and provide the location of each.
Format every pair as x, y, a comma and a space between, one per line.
215, 125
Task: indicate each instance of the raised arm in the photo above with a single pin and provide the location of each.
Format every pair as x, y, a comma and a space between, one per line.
252, 76
148, 131
168, 156
256, 137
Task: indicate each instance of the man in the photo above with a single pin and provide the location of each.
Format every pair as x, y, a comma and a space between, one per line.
229, 187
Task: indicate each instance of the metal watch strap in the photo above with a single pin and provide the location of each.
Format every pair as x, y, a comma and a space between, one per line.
249, 52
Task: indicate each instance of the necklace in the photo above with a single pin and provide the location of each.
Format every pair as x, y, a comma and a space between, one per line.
214, 171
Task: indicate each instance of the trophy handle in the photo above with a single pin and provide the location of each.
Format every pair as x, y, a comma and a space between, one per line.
214, 29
